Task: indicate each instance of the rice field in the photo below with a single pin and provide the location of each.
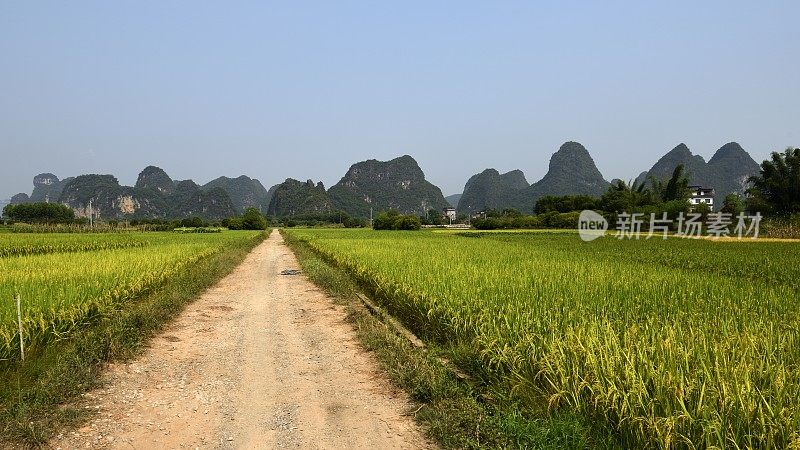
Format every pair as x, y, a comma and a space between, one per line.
67, 281
13, 244
672, 344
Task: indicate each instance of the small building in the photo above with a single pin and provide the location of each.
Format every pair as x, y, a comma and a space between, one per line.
478, 215
700, 194
449, 213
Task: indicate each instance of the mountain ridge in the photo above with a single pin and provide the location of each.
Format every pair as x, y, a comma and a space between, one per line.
245, 192
371, 186
154, 196
295, 197
571, 171
727, 171
375, 185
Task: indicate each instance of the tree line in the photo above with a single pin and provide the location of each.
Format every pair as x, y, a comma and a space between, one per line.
57, 213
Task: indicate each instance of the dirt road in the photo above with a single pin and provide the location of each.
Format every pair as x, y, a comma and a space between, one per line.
261, 360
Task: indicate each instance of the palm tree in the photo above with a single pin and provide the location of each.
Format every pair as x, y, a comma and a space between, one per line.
676, 188
776, 189
622, 196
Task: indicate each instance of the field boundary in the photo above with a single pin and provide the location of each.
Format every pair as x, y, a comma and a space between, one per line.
43, 395
398, 327
410, 336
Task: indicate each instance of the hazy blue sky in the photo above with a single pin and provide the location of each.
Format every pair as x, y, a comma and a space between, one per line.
304, 89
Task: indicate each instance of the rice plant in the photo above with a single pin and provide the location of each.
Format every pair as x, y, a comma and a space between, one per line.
15, 244
673, 344
69, 281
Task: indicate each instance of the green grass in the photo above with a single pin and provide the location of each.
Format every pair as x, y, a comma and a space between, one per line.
37, 397
667, 344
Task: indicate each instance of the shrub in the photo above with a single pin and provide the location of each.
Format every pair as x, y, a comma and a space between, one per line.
192, 222
566, 203
563, 220
354, 222
234, 223
385, 220
733, 204
407, 223
253, 220
393, 220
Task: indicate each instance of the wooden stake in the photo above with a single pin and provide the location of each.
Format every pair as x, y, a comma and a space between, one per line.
19, 322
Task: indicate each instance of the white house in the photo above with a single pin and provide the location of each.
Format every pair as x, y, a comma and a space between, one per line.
449, 213
700, 194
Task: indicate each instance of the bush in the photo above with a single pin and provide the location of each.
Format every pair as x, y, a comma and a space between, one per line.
192, 222
562, 220
550, 219
250, 220
253, 220
407, 223
234, 223
733, 204
385, 220
354, 222
505, 223
566, 203
329, 218
393, 220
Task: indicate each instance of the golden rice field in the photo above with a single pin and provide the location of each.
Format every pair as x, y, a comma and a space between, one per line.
66, 281
672, 344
